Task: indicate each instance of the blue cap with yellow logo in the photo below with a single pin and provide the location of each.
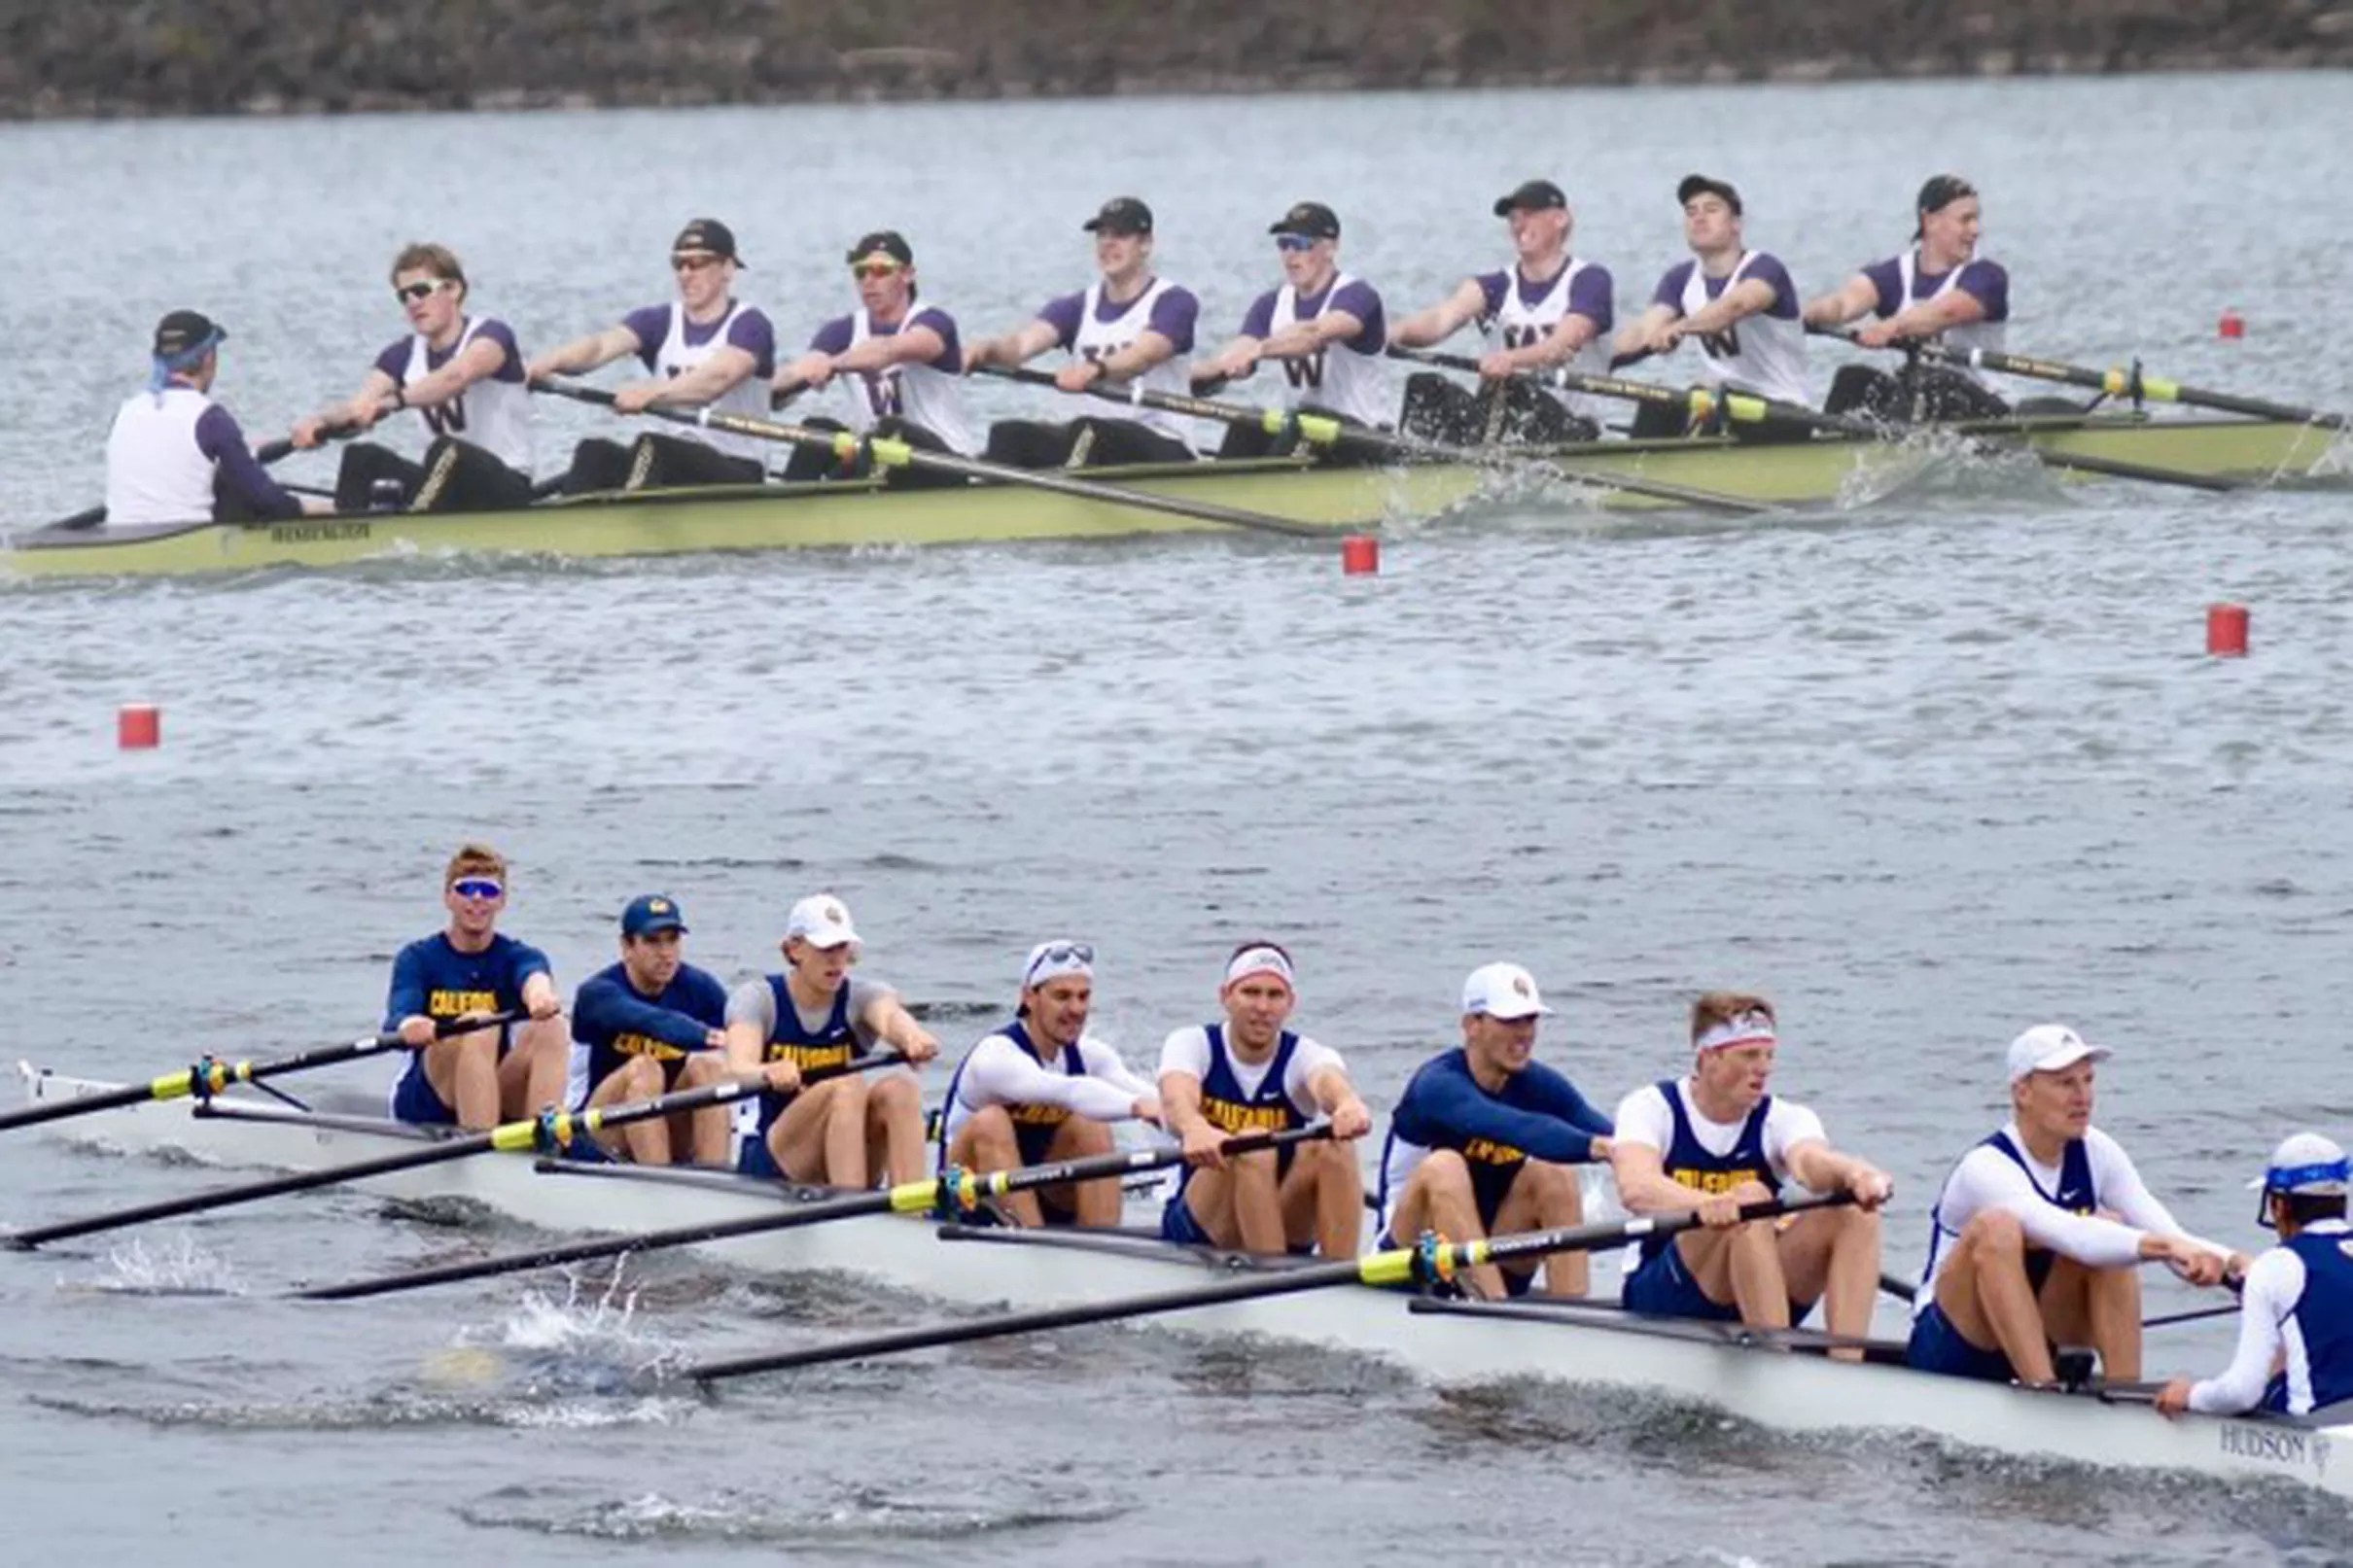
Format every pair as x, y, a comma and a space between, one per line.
649, 914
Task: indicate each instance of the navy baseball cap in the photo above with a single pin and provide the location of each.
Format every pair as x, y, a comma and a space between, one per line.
1534, 195
651, 913
1121, 215
1311, 218
184, 334
707, 236
1701, 185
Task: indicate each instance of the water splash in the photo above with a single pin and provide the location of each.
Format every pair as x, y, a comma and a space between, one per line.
177, 1267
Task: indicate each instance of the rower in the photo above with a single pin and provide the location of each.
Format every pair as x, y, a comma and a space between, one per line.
2296, 1320
1130, 327
1717, 1139
1484, 1139
1042, 1088
1324, 330
646, 1025
1940, 290
706, 350
176, 456
464, 377
487, 1075
817, 1015
1547, 309
898, 364
2036, 1236
1251, 1074
1738, 304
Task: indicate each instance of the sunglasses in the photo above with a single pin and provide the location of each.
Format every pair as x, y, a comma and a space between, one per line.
694, 262
873, 269
1294, 242
477, 888
1057, 955
412, 293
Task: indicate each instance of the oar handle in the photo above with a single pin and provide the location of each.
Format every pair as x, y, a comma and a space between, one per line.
265, 453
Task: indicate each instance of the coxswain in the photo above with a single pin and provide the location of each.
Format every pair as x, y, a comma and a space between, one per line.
174, 455
2038, 1234
1043, 1089
706, 349
646, 1025
472, 969
464, 377
817, 1015
1486, 1140
2296, 1318
1247, 1073
1717, 1139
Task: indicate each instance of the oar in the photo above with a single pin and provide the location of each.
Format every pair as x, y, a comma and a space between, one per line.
210, 1076
2197, 1316
893, 454
1325, 431
951, 1189
539, 1135
1404, 1265
2130, 383
265, 453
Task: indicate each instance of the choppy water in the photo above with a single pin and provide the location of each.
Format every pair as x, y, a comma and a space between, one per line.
1925, 772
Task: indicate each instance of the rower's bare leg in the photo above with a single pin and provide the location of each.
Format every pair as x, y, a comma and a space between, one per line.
1258, 1200
2096, 1306
1984, 1292
1209, 1195
895, 1129
544, 1054
1831, 1255
1094, 1203
464, 1070
820, 1136
1438, 1196
1741, 1267
1324, 1200
703, 1133
1545, 1197
987, 1143
645, 1142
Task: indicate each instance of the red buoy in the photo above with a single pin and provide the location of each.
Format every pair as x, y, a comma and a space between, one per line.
139, 727
2232, 325
2226, 631
1361, 555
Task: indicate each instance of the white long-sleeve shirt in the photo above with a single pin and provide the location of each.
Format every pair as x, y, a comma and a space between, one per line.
997, 1071
2268, 1336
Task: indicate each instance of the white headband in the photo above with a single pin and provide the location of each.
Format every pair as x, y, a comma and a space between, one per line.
1751, 1028
1261, 961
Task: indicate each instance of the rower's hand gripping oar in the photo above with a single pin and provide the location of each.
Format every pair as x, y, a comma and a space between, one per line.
894, 454
1430, 1263
210, 1075
548, 1133
947, 1194
1322, 430
1702, 405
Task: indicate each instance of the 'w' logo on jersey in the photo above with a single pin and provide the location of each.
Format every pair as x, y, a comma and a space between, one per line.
1307, 372
447, 419
882, 392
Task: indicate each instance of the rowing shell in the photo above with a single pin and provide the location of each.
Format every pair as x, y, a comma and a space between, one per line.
1791, 1390
863, 512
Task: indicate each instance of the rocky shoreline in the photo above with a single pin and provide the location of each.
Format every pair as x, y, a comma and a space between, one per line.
282, 57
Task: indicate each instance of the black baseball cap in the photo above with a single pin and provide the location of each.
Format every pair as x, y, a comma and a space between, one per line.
883, 242
1701, 185
1121, 215
186, 333
709, 235
1535, 196
1313, 219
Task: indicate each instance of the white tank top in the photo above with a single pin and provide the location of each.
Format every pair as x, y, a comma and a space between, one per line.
1760, 351
491, 414
922, 394
748, 396
1096, 340
1337, 376
1518, 324
1984, 335
155, 472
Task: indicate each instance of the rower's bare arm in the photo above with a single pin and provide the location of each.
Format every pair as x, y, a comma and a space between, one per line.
1559, 346
1734, 305
540, 998
1340, 1103
1843, 304
1180, 1114
707, 382
415, 1030
1304, 338
1237, 359
745, 1045
1017, 347
1441, 321
585, 354
478, 361
1954, 307
1148, 349
895, 1027
1643, 1186
917, 346
1822, 1169
358, 412
812, 369
1647, 332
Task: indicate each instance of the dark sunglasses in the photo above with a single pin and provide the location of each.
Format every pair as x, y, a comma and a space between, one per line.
1294, 242
477, 888
410, 293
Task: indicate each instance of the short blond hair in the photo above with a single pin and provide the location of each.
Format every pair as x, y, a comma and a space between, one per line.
475, 861
1722, 1007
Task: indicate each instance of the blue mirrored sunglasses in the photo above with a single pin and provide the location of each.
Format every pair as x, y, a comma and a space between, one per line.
1294, 242
477, 888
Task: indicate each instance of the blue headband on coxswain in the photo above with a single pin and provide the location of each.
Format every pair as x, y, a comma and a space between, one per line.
162, 367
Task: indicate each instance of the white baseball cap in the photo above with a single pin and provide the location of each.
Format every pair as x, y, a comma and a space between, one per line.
2049, 1047
2306, 1163
822, 920
1502, 991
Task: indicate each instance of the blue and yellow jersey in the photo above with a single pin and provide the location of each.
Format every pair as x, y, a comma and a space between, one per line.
612, 1022
432, 979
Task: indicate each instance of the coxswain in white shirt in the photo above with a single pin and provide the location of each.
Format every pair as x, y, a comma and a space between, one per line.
1738, 305
1247, 1073
706, 349
1938, 290
1717, 1139
2294, 1351
464, 377
817, 1015
898, 364
1130, 327
1043, 1089
2038, 1234
1548, 309
175, 455
1325, 334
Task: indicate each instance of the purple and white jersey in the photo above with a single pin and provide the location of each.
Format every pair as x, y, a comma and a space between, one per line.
1901, 283
1349, 377
671, 345
1094, 327
170, 454
1765, 352
1517, 312
928, 395
493, 413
